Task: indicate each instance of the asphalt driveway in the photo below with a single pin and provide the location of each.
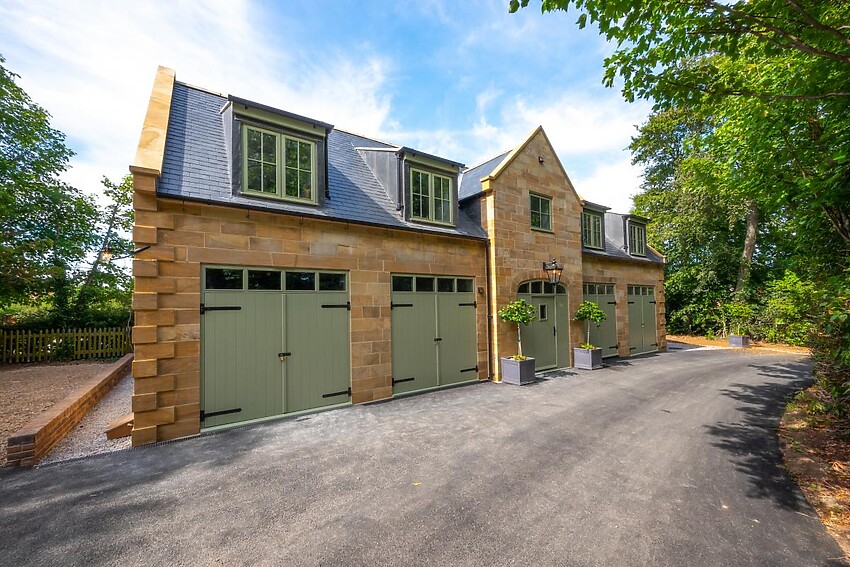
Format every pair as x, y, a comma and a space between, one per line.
663, 460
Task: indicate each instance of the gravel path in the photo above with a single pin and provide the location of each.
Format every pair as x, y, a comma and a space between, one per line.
26, 390
89, 437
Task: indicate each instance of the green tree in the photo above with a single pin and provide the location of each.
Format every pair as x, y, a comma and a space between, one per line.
46, 227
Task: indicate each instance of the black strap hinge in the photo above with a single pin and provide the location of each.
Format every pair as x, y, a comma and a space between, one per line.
473, 369
394, 305
205, 415
204, 308
346, 305
612, 303
335, 394
400, 380
473, 304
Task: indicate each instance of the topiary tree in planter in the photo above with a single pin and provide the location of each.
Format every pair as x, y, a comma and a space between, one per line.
589, 311
518, 369
588, 356
522, 313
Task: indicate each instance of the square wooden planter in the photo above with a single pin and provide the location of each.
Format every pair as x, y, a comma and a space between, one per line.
586, 359
739, 341
519, 372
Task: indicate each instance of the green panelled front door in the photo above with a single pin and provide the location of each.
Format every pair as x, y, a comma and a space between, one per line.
547, 339
268, 350
434, 339
540, 337
642, 325
604, 334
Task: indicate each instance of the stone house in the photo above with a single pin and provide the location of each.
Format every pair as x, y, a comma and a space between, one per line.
287, 266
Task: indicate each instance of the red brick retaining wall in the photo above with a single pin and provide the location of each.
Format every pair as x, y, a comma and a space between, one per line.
32, 442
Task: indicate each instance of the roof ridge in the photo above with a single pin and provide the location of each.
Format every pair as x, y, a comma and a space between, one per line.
486, 161
197, 88
344, 131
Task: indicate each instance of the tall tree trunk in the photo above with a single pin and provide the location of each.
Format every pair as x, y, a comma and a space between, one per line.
749, 246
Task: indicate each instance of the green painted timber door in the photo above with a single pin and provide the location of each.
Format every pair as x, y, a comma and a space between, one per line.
547, 339
458, 345
316, 370
539, 338
272, 342
642, 323
433, 325
604, 334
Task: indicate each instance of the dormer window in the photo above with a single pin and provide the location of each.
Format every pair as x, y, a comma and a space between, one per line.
591, 230
430, 197
637, 239
278, 165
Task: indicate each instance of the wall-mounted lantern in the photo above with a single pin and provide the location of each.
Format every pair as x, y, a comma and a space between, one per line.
553, 271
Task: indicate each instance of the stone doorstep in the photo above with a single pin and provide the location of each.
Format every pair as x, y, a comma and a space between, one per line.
39, 436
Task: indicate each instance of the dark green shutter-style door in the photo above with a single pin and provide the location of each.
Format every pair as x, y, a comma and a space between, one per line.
547, 338
272, 343
434, 340
604, 334
642, 323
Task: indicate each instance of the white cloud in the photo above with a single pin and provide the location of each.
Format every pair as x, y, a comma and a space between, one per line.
611, 183
91, 65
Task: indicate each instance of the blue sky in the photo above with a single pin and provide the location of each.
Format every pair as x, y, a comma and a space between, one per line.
464, 80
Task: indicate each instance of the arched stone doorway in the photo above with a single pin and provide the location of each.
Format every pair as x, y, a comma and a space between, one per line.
547, 339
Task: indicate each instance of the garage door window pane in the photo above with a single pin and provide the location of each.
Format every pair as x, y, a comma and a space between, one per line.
536, 287
402, 283
561, 290
445, 284
523, 288
224, 278
548, 288
464, 286
300, 281
424, 284
263, 280
331, 282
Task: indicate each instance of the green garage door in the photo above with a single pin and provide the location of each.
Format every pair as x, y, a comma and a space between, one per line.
434, 339
642, 324
272, 342
603, 334
547, 338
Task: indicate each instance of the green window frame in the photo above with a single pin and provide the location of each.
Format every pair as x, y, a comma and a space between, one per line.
430, 197
541, 212
278, 165
637, 239
591, 230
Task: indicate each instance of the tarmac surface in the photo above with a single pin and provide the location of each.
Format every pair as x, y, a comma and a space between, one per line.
668, 459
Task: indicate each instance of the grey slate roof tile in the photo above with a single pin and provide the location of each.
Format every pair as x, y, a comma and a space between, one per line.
470, 181
195, 167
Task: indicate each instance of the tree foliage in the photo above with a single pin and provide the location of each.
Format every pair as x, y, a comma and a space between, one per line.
747, 173
45, 225
48, 230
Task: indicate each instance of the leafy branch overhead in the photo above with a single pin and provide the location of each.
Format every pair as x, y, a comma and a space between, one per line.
658, 41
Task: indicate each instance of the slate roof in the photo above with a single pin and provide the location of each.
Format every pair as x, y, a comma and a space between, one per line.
614, 247
470, 180
195, 167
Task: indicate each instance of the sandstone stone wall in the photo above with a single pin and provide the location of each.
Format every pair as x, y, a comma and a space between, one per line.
517, 251
622, 274
183, 236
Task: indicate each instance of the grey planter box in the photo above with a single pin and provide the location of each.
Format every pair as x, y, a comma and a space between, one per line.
519, 372
588, 359
740, 341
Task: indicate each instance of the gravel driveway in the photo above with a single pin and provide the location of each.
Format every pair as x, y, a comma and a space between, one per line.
661, 460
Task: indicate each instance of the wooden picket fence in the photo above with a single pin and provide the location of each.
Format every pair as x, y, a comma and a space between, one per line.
65, 344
